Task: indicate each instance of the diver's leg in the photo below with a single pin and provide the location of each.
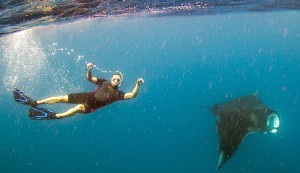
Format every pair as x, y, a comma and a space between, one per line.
77, 109
53, 100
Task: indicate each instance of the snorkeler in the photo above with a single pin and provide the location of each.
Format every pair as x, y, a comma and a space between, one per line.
105, 94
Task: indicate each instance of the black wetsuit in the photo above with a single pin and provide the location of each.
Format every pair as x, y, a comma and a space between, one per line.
104, 95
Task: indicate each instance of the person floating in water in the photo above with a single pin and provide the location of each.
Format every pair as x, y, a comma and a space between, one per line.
105, 94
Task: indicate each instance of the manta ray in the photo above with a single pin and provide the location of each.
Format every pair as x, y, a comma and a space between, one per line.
239, 117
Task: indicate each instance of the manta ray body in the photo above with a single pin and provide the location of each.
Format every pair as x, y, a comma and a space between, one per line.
238, 118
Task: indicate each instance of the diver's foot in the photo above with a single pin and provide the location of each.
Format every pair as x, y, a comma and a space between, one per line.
41, 114
34, 104
20, 97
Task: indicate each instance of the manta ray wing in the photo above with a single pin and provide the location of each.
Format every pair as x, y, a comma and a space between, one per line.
236, 119
231, 131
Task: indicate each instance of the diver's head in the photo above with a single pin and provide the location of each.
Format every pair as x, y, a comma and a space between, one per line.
117, 79
273, 123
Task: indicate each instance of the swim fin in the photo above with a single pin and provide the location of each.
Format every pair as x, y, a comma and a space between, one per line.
41, 114
20, 97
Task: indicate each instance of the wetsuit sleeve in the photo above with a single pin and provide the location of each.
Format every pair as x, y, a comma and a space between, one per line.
100, 81
121, 95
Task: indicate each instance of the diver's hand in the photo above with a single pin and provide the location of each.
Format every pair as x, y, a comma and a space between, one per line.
140, 81
89, 66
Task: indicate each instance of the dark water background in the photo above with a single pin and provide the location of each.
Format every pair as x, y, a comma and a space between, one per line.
187, 61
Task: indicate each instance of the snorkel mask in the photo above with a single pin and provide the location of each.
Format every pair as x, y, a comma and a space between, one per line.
121, 77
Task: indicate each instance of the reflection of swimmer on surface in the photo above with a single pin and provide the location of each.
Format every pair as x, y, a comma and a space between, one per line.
105, 94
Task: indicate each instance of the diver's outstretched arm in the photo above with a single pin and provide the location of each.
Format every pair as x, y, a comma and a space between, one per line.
89, 73
135, 90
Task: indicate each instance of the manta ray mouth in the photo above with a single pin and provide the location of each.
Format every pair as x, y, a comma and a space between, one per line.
273, 123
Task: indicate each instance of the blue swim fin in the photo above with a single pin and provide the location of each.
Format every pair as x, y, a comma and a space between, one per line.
41, 114
20, 97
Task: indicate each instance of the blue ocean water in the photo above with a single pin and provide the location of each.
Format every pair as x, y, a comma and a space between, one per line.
187, 62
